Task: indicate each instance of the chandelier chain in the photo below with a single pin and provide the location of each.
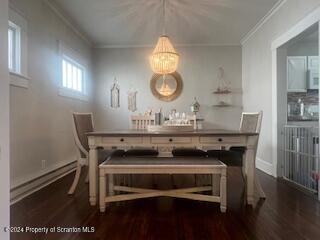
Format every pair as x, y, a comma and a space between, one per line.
164, 17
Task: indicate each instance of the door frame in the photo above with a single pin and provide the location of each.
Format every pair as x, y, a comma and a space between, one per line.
302, 25
4, 124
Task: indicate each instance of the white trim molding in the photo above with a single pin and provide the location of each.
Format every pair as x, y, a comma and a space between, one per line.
273, 10
19, 80
177, 45
264, 166
274, 104
36, 182
298, 28
68, 93
68, 21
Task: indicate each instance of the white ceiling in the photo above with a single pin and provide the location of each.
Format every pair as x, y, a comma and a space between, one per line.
189, 22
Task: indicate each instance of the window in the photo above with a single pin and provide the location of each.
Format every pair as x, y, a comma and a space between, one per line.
72, 75
14, 43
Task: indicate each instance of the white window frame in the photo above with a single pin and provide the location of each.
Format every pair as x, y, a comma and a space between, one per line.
16, 48
73, 57
73, 63
19, 75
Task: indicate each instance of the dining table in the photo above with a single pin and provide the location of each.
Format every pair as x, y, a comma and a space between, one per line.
165, 142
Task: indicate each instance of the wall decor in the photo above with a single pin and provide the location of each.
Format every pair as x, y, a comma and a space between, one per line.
223, 97
132, 100
195, 106
223, 85
166, 87
115, 95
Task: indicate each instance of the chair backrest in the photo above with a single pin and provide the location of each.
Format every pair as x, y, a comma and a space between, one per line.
251, 122
142, 121
82, 124
193, 120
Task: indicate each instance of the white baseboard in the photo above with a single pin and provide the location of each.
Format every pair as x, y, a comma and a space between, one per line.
23, 190
264, 166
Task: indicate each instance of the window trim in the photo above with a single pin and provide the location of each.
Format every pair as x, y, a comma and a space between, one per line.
69, 93
16, 58
72, 56
20, 78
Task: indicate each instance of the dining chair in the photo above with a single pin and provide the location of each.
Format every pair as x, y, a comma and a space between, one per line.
142, 121
250, 122
82, 123
188, 152
193, 120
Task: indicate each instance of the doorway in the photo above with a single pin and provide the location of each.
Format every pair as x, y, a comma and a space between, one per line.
298, 110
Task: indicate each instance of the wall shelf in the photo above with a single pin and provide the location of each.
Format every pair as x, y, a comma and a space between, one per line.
226, 106
222, 92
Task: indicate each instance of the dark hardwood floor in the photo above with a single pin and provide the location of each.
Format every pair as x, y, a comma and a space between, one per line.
286, 214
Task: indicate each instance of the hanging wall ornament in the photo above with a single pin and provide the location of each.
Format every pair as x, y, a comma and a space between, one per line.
132, 100
115, 95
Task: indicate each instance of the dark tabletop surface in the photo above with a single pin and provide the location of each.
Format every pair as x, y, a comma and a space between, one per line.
202, 132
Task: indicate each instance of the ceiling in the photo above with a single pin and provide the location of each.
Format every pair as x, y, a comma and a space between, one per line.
119, 23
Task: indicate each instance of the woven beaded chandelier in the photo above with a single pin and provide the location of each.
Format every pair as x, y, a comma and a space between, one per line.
164, 59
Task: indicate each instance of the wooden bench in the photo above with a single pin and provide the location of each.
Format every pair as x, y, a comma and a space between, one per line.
159, 165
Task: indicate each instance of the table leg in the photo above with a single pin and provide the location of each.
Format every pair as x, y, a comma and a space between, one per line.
93, 168
102, 192
223, 191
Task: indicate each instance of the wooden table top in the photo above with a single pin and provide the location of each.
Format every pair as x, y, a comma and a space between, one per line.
135, 132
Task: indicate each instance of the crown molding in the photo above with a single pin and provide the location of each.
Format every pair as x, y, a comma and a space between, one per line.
13, 7
306, 22
68, 21
176, 45
273, 10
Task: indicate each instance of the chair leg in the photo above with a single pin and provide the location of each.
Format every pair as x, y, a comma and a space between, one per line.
244, 178
173, 182
76, 180
258, 187
87, 178
130, 180
154, 183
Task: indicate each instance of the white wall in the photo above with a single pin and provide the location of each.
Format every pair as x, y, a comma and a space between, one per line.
257, 68
198, 67
4, 121
40, 118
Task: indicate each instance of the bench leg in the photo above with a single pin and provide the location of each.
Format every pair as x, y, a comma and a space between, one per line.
102, 193
223, 191
111, 185
215, 179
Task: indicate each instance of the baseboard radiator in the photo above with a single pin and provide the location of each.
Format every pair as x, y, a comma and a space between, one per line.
23, 190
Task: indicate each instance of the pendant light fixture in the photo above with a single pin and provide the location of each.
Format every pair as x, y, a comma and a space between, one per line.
164, 59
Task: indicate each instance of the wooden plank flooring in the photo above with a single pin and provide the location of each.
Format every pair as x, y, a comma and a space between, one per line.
286, 214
